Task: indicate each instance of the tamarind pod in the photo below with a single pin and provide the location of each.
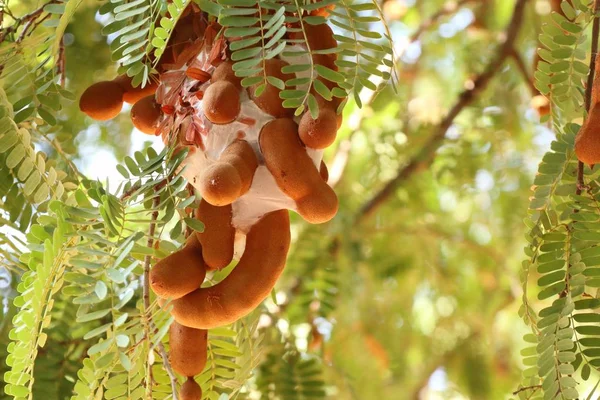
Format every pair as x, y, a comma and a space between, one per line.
318, 37
187, 349
269, 100
102, 100
250, 282
323, 171
587, 142
231, 177
146, 114
224, 72
294, 171
190, 390
318, 133
219, 234
132, 94
221, 102
180, 273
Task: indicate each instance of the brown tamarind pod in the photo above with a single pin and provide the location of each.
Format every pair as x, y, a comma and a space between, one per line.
190, 390
231, 176
219, 234
132, 94
224, 72
294, 171
318, 37
221, 102
187, 352
323, 171
180, 273
269, 100
146, 115
102, 100
587, 142
318, 133
250, 282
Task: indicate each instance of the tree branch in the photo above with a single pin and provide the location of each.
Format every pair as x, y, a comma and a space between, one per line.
342, 155
524, 72
425, 156
30, 20
591, 96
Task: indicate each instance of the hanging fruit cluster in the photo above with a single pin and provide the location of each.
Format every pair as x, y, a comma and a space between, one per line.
249, 158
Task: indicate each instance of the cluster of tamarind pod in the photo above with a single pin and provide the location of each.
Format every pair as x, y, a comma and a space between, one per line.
250, 159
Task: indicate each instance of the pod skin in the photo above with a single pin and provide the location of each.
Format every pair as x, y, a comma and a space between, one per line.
318, 133
190, 390
587, 142
224, 72
102, 100
219, 235
295, 173
249, 283
146, 114
180, 273
221, 102
269, 100
187, 353
231, 177
132, 94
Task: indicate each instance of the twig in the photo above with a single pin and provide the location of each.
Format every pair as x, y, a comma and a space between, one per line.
591, 96
524, 72
62, 62
167, 365
130, 191
30, 20
146, 284
524, 389
425, 156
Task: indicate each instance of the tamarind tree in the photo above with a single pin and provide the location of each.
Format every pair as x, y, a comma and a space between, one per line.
458, 259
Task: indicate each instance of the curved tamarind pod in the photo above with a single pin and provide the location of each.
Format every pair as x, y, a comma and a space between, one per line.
221, 102
323, 171
146, 115
219, 234
132, 94
294, 171
224, 72
102, 100
587, 142
180, 273
190, 390
187, 352
250, 282
318, 133
269, 100
231, 177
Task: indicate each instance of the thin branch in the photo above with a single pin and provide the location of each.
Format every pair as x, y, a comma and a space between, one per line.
30, 20
146, 283
342, 155
448, 8
61, 63
425, 156
524, 72
167, 365
524, 389
591, 96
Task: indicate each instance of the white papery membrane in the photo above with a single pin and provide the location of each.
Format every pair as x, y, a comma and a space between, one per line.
264, 195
